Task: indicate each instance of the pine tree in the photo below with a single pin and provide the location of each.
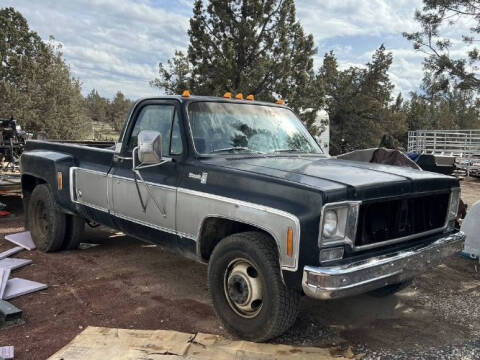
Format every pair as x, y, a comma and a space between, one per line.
96, 106
117, 110
359, 104
435, 19
249, 46
36, 86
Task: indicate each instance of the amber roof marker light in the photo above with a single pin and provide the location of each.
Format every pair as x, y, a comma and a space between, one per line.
250, 98
186, 93
239, 96
227, 95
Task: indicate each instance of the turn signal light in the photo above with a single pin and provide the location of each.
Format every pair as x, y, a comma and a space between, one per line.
280, 102
227, 95
186, 93
250, 98
59, 180
290, 242
239, 96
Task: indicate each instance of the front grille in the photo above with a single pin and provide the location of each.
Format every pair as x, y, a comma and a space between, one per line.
392, 219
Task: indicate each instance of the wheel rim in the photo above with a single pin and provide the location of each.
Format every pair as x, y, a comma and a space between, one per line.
243, 288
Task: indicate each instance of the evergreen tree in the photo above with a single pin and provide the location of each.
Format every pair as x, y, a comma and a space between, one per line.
250, 46
435, 18
118, 110
440, 107
96, 106
359, 103
36, 87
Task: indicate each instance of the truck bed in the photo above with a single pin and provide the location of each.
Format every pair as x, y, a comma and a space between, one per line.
75, 148
89, 143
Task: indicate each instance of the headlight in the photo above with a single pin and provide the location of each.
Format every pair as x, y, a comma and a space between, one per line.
454, 202
330, 223
338, 223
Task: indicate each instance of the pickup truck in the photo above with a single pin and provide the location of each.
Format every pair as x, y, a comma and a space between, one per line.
242, 186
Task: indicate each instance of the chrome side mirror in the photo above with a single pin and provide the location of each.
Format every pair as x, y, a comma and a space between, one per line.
149, 147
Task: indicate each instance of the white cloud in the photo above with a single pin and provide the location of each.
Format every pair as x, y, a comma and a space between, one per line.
332, 18
110, 45
116, 45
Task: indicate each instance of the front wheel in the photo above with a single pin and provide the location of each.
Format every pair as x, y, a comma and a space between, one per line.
247, 290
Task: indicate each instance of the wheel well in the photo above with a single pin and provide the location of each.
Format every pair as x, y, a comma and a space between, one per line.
215, 229
29, 182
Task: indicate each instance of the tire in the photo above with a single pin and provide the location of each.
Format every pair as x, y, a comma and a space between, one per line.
45, 222
75, 226
247, 263
389, 289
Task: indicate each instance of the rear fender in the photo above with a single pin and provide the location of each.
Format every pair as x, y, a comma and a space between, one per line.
48, 167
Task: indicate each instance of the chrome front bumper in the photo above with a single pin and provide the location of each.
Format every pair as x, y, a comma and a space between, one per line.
365, 275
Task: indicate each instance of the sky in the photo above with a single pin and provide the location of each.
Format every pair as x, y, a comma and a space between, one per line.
113, 45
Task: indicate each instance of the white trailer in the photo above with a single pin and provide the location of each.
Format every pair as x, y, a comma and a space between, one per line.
463, 145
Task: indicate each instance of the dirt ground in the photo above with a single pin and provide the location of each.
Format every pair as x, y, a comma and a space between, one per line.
128, 284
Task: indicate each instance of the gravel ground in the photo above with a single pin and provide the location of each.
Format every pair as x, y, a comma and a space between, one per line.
128, 284
470, 350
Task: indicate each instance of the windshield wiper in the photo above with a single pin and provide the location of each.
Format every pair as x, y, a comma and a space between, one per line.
289, 151
236, 148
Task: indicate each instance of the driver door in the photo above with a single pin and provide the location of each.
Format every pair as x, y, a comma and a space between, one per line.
135, 211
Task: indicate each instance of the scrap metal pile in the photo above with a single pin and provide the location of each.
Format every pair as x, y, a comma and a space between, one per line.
12, 143
12, 287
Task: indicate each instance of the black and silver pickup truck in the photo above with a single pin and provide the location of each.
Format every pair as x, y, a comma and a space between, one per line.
242, 186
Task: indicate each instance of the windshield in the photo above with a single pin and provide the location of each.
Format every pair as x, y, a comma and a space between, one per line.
243, 128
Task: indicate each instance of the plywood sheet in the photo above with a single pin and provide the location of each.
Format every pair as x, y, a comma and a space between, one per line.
120, 344
106, 343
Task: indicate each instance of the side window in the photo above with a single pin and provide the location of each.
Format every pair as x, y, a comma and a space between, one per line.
176, 147
157, 118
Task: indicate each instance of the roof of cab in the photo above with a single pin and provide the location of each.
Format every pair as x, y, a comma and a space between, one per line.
194, 98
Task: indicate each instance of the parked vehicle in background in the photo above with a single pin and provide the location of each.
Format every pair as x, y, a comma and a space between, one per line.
242, 186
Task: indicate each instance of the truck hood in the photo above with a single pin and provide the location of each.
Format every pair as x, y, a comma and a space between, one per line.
342, 178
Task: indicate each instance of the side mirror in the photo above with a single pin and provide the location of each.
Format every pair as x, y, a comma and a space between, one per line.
149, 147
